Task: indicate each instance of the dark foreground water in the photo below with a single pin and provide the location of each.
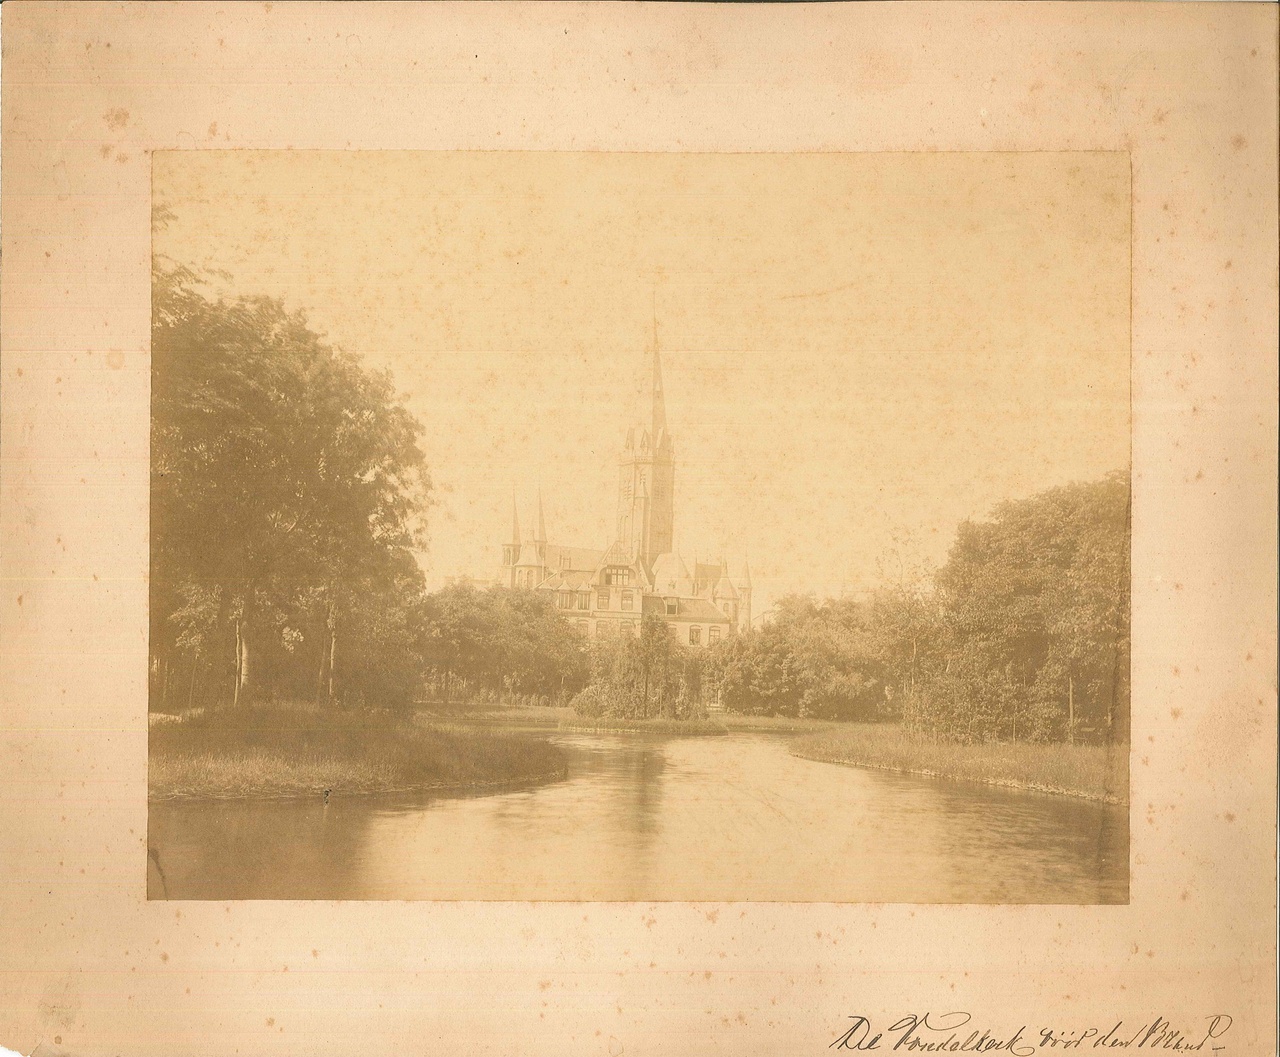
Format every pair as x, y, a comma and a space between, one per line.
651, 818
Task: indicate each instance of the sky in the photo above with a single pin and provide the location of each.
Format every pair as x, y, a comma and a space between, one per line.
860, 351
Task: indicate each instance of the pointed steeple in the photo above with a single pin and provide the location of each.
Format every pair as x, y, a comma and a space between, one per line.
656, 395
724, 589
541, 537
515, 520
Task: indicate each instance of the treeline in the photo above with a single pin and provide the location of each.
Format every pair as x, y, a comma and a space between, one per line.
499, 645
288, 497
1023, 634
287, 494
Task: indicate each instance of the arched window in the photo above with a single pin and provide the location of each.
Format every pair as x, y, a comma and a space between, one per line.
695, 636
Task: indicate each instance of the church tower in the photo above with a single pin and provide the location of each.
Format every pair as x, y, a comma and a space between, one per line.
646, 477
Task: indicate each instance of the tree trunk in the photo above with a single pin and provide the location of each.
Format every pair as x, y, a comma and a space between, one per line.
1071, 711
246, 664
235, 694
333, 649
195, 666
248, 671
321, 674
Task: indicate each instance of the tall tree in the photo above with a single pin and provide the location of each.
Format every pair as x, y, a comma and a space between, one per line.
285, 477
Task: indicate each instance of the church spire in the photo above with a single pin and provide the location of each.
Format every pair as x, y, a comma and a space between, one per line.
515, 520
541, 537
659, 403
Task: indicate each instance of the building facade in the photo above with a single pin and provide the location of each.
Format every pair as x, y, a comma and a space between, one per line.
606, 592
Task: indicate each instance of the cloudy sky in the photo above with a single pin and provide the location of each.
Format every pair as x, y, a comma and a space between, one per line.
860, 351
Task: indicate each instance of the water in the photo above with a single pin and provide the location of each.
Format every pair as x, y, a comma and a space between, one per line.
652, 818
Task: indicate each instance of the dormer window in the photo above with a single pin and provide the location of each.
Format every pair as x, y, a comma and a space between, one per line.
617, 576
673, 607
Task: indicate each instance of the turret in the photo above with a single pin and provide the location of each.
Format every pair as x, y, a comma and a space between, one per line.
743, 584
724, 595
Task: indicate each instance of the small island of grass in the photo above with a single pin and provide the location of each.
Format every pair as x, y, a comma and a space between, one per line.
275, 751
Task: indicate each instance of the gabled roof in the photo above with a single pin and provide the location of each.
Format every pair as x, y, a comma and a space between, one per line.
586, 559
615, 554
707, 572
698, 609
671, 575
568, 580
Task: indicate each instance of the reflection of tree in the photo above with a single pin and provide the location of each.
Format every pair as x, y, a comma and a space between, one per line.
265, 849
1007, 845
611, 806
637, 813
643, 806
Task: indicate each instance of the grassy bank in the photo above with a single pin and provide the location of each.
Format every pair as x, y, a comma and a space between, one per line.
497, 715
279, 751
773, 724
1094, 772
607, 725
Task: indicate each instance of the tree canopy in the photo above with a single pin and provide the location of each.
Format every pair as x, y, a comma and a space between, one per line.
287, 492
1023, 634
288, 502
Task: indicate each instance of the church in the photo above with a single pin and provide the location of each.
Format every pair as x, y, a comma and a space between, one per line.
605, 592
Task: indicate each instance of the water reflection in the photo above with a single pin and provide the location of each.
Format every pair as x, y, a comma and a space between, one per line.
731, 818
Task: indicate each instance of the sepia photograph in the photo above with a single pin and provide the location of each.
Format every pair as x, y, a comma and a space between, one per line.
639, 527
630, 529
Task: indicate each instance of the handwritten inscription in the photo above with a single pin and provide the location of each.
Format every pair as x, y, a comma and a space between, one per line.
955, 1032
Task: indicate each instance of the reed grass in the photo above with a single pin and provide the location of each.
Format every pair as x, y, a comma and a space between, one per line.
610, 725
289, 751
500, 716
773, 724
1094, 772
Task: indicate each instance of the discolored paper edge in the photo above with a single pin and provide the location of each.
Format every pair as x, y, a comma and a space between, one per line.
89, 966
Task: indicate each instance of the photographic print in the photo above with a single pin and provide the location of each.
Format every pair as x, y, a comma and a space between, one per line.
640, 527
